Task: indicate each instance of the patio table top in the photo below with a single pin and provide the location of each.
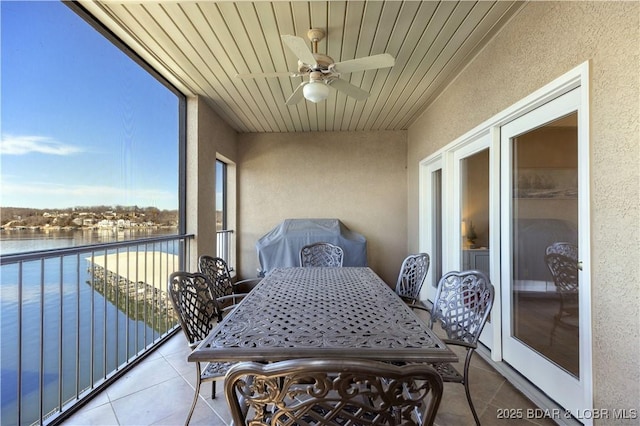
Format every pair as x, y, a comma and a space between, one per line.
322, 312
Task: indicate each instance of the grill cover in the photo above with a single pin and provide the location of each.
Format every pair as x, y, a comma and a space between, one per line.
281, 246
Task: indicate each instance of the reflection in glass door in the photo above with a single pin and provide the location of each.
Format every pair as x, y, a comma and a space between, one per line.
474, 205
472, 186
543, 309
436, 225
545, 241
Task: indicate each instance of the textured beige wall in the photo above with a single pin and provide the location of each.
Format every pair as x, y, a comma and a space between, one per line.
206, 135
545, 40
357, 177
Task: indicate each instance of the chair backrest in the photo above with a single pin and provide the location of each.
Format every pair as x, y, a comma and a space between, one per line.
563, 248
217, 272
462, 304
192, 297
564, 271
321, 255
562, 260
332, 392
412, 275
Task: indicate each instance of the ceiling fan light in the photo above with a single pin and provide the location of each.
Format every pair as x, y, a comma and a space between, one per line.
315, 91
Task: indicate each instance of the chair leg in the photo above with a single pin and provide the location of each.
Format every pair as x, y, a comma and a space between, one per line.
473, 409
213, 390
195, 395
467, 362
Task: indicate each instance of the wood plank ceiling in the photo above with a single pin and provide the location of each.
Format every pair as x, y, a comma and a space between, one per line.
201, 46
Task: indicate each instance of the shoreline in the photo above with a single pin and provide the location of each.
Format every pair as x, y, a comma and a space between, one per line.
47, 228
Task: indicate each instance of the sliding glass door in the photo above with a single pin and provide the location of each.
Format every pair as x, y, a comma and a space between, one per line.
432, 225
513, 197
474, 176
541, 245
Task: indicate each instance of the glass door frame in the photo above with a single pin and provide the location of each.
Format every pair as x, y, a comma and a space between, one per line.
427, 220
447, 161
487, 139
575, 393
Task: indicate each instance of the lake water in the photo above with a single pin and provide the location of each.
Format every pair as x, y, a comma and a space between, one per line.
19, 241
69, 329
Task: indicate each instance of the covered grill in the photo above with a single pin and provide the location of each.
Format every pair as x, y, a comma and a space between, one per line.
281, 246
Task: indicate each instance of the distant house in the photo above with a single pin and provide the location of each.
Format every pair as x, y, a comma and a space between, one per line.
123, 223
79, 221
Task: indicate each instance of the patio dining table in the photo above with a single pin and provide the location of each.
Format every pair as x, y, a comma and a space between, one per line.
344, 312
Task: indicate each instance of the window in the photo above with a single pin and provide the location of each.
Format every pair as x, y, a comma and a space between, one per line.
90, 135
91, 151
221, 196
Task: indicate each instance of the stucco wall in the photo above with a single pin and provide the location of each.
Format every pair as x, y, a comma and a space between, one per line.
357, 177
206, 135
545, 40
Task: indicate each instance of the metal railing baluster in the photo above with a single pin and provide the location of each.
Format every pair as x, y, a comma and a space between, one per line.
60, 332
126, 297
117, 316
223, 247
19, 360
104, 313
46, 389
144, 296
77, 393
41, 360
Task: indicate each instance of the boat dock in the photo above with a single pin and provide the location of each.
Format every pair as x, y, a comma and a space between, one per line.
127, 277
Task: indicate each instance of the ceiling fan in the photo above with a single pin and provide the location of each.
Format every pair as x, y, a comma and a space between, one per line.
322, 71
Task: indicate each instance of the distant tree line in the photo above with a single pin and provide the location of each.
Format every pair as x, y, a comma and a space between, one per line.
25, 216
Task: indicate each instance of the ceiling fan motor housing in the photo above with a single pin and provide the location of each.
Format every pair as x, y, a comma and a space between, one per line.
323, 62
316, 76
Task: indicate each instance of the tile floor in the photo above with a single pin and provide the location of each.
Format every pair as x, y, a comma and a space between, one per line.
160, 389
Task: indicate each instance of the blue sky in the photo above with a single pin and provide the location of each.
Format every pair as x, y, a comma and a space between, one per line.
81, 123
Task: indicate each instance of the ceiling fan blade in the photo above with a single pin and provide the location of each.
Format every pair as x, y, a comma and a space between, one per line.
297, 95
299, 48
384, 60
269, 74
349, 89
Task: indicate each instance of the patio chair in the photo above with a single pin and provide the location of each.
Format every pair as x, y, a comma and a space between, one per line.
562, 260
225, 290
321, 255
193, 299
564, 248
412, 275
332, 392
461, 306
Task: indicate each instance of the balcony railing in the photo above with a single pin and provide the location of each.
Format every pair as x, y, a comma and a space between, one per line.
224, 249
73, 320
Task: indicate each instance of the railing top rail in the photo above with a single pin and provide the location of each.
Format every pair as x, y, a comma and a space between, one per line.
66, 251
